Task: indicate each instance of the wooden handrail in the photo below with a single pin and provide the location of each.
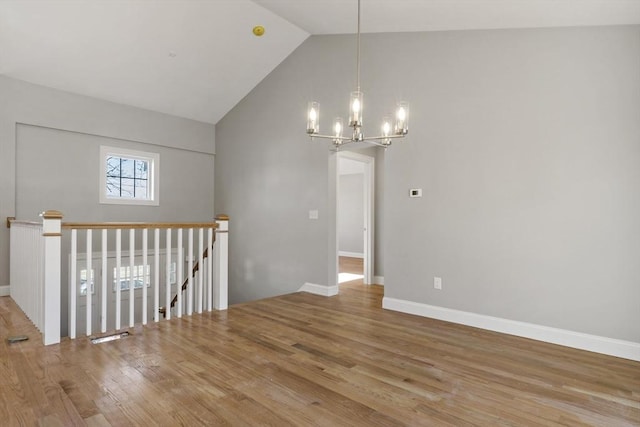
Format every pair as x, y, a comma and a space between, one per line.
136, 225
115, 225
11, 221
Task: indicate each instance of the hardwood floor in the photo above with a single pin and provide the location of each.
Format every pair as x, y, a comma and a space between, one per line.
302, 359
350, 265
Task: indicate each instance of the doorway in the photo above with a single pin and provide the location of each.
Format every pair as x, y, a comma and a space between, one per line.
355, 205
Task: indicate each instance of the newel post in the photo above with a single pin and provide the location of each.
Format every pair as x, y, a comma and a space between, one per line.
221, 250
52, 233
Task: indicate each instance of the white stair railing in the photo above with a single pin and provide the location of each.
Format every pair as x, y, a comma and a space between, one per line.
25, 266
210, 290
35, 272
121, 286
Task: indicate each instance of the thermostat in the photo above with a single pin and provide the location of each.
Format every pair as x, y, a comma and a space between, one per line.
415, 192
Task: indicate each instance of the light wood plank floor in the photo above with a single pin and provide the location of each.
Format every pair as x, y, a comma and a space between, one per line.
302, 359
350, 265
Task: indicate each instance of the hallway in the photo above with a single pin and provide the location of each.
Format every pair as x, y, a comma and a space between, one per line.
351, 270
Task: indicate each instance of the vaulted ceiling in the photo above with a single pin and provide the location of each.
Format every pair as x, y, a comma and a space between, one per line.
198, 58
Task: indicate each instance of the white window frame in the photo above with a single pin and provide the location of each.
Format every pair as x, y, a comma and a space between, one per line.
153, 180
125, 278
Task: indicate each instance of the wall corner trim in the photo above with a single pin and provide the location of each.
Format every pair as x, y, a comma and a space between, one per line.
5, 291
325, 291
610, 346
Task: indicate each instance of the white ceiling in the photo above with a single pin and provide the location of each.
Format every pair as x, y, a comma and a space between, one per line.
379, 16
198, 58
121, 50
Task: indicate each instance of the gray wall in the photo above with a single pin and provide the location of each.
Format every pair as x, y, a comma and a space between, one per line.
49, 143
525, 142
351, 213
61, 169
267, 178
528, 150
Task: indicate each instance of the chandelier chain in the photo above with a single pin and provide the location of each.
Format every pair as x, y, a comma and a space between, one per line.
358, 54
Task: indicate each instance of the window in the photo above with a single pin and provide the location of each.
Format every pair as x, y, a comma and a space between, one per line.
172, 273
128, 177
83, 282
141, 277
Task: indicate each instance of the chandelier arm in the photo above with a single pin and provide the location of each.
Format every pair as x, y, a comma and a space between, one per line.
376, 143
341, 138
370, 138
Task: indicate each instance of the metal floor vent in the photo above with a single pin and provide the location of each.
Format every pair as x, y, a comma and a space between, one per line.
109, 338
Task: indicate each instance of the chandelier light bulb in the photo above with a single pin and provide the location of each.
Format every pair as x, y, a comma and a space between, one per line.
313, 115
386, 127
402, 118
386, 131
337, 130
355, 106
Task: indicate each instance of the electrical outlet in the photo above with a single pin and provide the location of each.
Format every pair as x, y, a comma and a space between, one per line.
437, 283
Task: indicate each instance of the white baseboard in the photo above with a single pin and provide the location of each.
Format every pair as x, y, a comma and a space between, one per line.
4, 291
325, 291
378, 280
351, 254
613, 347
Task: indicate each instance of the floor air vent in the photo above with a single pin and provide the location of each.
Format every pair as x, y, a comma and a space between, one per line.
109, 338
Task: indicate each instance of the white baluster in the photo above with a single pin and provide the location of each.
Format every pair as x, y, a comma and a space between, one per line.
103, 283
156, 275
145, 239
132, 279
73, 283
168, 276
210, 269
200, 267
190, 276
179, 265
89, 253
118, 276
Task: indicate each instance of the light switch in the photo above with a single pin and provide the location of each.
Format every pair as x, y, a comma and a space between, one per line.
415, 192
313, 214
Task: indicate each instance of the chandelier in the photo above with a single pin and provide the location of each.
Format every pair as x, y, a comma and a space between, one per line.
387, 131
